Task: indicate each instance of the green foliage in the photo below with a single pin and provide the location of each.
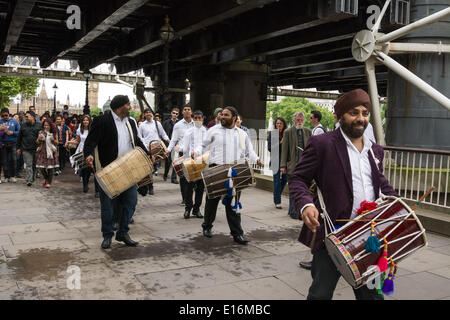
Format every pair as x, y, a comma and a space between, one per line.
12, 86
289, 105
95, 111
134, 114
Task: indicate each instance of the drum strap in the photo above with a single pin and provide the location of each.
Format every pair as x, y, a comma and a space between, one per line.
328, 223
131, 134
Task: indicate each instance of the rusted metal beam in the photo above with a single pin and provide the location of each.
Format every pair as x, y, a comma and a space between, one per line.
17, 21
110, 14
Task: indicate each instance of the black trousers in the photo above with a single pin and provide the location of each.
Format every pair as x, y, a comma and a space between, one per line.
167, 165
189, 190
62, 156
86, 174
325, 277
233, 218
183, 186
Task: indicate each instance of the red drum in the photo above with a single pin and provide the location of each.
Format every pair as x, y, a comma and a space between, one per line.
394, 220
178, 166
158, 150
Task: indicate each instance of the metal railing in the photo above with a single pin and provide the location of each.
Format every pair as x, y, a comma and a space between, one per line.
411, 172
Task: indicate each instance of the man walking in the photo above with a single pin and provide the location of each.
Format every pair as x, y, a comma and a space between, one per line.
63, 139
314, 119
294, 141
11, 127
168, 125
114, 134
26, 145
192, 147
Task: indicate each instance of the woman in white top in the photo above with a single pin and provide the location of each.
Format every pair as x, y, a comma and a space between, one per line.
82, 133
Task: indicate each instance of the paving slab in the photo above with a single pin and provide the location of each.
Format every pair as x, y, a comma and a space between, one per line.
424, 260
220, 292
269, 288
421, 286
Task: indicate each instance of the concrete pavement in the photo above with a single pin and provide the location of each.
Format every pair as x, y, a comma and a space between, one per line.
44, 232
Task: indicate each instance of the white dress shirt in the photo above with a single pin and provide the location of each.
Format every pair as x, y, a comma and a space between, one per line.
193, 140
317, 130
148, 132
361, 174
228, 145
123, 135
368, 132
178, 133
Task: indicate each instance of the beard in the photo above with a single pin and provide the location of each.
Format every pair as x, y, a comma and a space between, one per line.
350, 128
298, 126
226, 122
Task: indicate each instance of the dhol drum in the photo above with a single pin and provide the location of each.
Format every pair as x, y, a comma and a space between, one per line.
178, 166
158, 150
215, 178
124, 172
77, 161
192, 168
394, 221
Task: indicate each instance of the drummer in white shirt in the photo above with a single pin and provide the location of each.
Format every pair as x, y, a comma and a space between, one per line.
179, 130
192, 146
227, 143
149, 131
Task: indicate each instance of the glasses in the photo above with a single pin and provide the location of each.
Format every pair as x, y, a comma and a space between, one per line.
174, 112
4, 116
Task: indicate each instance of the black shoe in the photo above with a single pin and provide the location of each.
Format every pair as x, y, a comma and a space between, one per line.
198, 214
85, 188
165, 178
106, 242
306, 264
115, 226
150, 191
127, 240
131, 221
182, 203
240, 239
207, 233
29, 184
97, 195
187, 213
175, 182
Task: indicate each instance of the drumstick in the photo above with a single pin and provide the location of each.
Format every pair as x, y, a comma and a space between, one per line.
300, 149
423, 197
399, 219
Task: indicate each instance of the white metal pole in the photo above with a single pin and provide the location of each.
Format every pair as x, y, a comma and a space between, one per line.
376, 111
414, 26
376, 26
413, 79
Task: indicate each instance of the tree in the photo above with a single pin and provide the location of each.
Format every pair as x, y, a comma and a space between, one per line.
95, 111
289, 105
12, 86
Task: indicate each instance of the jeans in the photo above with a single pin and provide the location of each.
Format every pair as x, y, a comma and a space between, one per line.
279, 182
19, 163
29, 157
325, 277
11, 159
3, 161
127, 200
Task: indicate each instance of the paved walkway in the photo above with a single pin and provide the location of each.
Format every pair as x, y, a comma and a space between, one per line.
43, 232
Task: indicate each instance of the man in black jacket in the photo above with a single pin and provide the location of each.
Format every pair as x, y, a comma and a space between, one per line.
110, 134
26, 144
168, 125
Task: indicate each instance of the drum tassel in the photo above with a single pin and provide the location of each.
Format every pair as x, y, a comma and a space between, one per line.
388, 284
372, 243
383, 261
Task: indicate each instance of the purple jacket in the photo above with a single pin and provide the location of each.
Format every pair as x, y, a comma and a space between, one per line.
326, 160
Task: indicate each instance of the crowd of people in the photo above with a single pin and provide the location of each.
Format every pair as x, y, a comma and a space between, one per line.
299, 157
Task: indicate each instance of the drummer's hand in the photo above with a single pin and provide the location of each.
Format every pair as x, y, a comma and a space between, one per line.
260, 163
153, 159
177, 148
283, 170
90, 161
310, 217
193, 155
167, 154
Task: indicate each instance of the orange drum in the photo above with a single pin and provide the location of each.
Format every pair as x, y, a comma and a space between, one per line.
192, 168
